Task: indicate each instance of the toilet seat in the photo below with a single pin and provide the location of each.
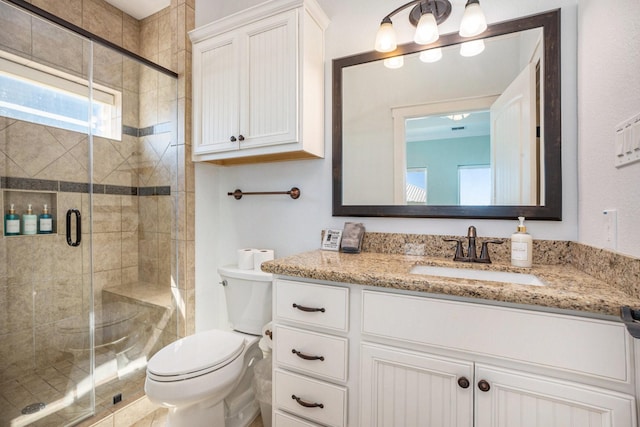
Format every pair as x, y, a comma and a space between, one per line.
195, 355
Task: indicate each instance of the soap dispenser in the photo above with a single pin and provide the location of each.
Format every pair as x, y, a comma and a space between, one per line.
521, 246
11, 222
29, 222
45, 221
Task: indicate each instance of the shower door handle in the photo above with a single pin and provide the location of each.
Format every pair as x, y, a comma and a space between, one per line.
70, 242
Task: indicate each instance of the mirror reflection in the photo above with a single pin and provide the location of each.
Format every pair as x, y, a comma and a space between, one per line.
460, 128
459, 131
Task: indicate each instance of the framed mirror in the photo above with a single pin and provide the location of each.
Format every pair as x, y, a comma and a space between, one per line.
465, 137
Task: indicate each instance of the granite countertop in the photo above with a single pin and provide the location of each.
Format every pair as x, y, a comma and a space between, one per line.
566, 287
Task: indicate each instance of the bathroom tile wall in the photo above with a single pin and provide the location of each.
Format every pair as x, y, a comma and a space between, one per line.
133, 235
161, 38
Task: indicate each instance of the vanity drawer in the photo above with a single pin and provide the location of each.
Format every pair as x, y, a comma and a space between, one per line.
285, 420
332, 350
594, 347
312, 305
287, 387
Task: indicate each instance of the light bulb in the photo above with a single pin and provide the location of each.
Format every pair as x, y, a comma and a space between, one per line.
386, 38
395, 62
427, 29
472, 48
473, 20
431, 55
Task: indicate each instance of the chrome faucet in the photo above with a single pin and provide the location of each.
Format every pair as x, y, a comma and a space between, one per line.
471, 248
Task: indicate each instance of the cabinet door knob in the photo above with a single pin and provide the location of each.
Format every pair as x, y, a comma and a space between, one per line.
241, 138
307, 404
307, 309
306, 356
463, 382
483, 385
232, 139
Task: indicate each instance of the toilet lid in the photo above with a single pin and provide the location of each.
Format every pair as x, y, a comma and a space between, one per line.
204, 351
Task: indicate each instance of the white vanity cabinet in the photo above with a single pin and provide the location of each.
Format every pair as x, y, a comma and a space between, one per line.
397, 358
310, 351
432, 363
258, 84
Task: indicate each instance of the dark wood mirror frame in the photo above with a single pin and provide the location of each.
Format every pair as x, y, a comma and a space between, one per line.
552, 209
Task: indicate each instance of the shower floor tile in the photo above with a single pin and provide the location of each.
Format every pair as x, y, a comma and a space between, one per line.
62, 388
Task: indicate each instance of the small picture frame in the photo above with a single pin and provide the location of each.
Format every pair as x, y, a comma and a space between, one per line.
331, 240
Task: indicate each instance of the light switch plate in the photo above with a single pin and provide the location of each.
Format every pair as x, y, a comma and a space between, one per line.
610, 228
627, 142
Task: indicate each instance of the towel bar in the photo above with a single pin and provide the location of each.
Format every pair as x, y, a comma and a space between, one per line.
294, 193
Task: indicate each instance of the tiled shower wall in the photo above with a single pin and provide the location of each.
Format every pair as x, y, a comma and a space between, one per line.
133, 234
161, 38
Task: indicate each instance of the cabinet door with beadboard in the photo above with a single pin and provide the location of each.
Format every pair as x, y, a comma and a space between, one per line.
410, 389
506, 398
216, 65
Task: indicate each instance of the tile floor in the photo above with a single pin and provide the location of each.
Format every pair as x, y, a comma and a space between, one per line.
159, 418
61, 387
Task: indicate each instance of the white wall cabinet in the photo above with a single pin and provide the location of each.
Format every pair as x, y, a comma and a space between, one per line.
404, 359
258, 84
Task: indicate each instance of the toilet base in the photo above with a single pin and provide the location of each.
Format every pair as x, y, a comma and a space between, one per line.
205, 414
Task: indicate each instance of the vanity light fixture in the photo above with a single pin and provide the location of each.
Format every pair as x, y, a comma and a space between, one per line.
458, 116
431, 55
394, 62
426, 15
472, 48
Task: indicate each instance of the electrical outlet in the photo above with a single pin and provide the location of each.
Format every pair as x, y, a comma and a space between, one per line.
610, 228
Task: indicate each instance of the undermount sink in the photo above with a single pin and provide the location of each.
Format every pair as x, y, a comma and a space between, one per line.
488, 275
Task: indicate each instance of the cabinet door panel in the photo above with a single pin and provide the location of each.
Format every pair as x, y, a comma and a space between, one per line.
217, 102
404, 388
271, 80
522, 400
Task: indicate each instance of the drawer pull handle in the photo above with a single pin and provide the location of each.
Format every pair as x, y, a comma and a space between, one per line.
307, 309
483, 385
305, 356
306, 404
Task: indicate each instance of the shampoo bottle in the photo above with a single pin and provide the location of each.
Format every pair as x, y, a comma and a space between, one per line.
45, 221
521, 246
29, 222
11, 222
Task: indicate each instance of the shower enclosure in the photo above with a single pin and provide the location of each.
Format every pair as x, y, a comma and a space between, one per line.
90, 132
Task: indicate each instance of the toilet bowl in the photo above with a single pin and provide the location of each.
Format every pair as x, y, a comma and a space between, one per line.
205, 379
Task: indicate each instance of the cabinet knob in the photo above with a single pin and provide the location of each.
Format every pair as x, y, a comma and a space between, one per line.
483, 385
240, 137
306, 404
463, 382
232, 139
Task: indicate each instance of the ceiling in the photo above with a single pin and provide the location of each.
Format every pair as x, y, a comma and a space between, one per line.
140, 9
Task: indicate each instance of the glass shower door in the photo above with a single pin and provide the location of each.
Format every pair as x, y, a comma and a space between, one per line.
46, 301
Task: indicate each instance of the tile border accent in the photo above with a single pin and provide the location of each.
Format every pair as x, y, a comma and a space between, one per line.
12, 183
146, 131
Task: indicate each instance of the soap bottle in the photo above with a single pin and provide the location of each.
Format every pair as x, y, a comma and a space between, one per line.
521, 246
11, 222
29, 222
45, 221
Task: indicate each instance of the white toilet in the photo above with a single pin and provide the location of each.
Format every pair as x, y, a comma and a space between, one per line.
205, 379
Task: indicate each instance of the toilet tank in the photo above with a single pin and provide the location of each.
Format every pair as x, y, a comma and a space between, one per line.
248, 296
